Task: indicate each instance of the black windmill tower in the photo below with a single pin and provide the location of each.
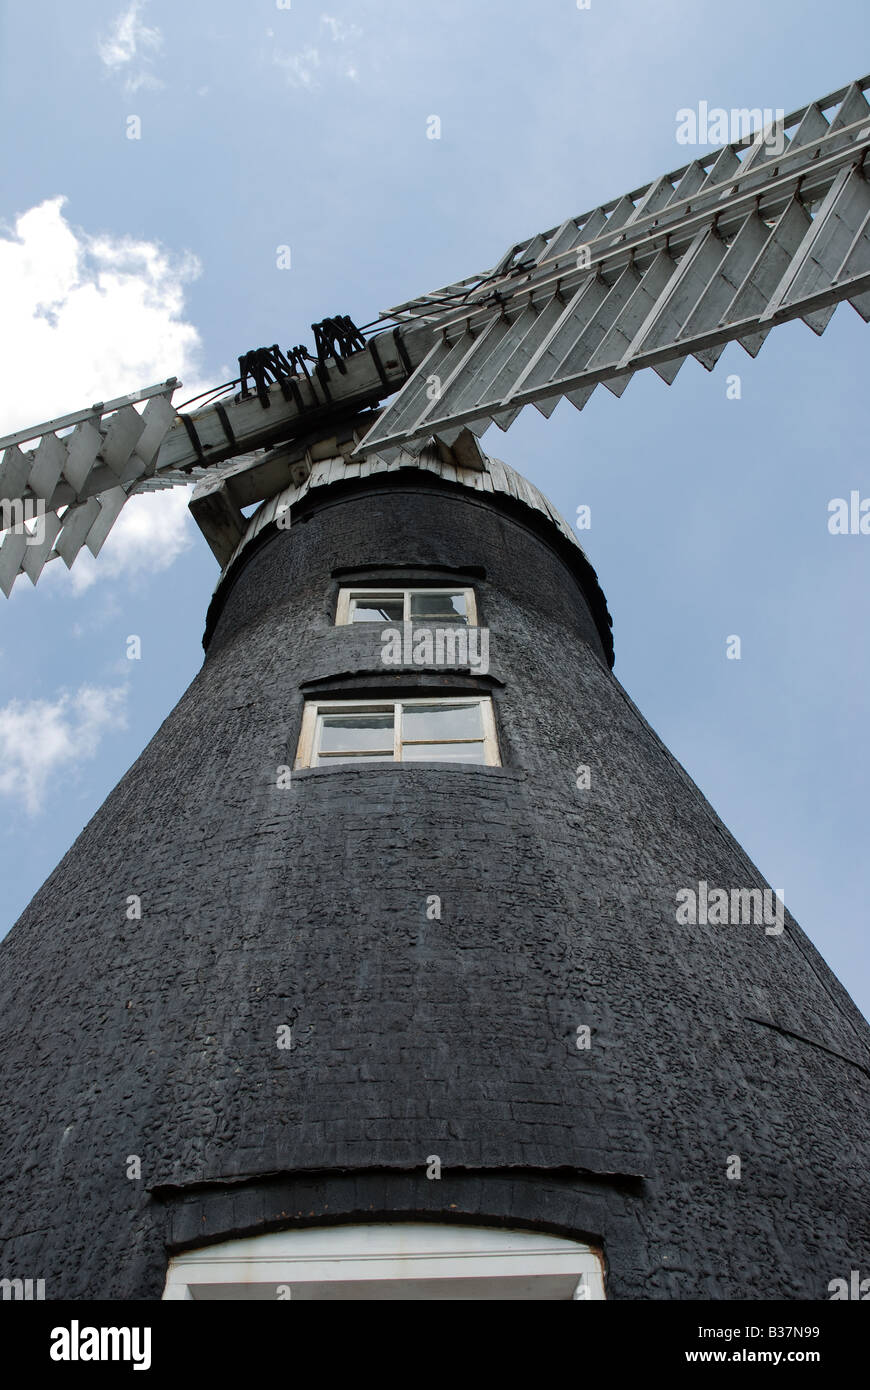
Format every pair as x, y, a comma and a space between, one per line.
356, 974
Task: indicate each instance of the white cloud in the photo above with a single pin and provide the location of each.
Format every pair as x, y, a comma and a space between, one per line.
299, 68
101, 316
302, 68
130, 39
40, 739
149, 535
340, 32
143, 82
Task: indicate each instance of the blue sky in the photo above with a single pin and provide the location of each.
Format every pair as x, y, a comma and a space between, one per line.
263, 126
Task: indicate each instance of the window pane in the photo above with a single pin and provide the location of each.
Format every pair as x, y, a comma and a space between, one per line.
331, 758
444, 608
366, 732
441, 721
443, 752
378, 608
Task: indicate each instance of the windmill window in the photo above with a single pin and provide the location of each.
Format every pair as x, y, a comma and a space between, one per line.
390, 1261
422, 606
459, 730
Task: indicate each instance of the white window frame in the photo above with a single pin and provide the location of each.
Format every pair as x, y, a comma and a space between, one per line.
428, 1261
348, 597
308, 749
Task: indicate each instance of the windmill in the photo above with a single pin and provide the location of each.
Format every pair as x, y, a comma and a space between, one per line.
346, 949
770, 228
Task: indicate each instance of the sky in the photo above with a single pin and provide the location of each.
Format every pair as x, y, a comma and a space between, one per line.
266, 125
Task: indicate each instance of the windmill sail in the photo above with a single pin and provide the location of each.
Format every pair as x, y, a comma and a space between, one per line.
772, 227
71, 487
759, 232
78, 482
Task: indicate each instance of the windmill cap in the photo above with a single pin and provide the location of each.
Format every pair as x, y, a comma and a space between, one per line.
494, 479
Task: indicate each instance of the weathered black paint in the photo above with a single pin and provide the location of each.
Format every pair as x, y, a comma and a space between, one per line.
412, 1037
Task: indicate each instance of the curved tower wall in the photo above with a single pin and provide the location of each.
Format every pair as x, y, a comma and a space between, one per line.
417, 1036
